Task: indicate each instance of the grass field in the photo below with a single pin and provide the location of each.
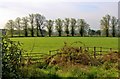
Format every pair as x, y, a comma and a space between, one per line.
44, 44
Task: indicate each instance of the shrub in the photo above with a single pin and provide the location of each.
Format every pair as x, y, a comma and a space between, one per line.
11, 56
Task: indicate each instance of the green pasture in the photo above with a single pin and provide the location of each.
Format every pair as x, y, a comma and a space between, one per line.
45, 44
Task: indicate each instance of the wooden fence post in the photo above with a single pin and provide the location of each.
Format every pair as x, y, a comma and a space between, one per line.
49, 52
110, 50
87, 48
95, 52
100, 49
80, 49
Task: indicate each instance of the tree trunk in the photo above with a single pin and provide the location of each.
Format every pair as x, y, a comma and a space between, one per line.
72, 32
37, 29
19, 31
37, 32
32, 30
107, 32
67, 33
50, 33
26, 33
81, 32
41, 32
59, 33
113, 32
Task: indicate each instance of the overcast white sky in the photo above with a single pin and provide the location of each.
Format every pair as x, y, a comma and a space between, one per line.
90, 10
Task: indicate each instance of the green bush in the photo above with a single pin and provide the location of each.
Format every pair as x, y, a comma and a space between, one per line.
11, 57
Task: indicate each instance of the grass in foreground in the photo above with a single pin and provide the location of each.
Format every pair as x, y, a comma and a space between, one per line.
84, 65
72, 63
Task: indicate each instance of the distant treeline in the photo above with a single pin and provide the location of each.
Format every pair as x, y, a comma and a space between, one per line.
38, 25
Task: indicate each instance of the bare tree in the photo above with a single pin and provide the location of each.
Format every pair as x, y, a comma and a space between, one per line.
114, 23
83, 26
73, 26
118, 31
10, 25
37, 24
31, 18
25, 25
59, 24
18, 25
105, 24
40, 20
49, 25
67, 24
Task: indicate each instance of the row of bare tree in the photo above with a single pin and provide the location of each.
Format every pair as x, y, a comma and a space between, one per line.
35, 24
108, 22
33, 21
